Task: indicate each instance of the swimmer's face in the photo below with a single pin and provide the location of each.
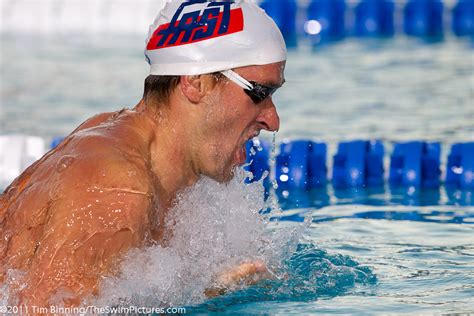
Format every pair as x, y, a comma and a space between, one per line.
232, 118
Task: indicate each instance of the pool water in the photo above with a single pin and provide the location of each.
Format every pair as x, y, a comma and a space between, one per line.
418, 243
417, 266
355, 252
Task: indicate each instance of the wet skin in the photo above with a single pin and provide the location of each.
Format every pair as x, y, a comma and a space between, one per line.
68, 219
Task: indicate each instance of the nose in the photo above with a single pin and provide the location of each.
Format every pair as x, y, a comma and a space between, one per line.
268, 118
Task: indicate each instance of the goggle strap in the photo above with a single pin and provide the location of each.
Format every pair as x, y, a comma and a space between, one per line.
237, 79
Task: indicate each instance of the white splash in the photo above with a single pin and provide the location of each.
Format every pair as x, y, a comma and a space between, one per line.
215, 227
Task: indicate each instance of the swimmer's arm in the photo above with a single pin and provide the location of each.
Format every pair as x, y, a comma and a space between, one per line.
88, 231
246, 273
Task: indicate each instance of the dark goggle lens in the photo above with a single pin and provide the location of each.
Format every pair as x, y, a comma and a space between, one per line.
259, 92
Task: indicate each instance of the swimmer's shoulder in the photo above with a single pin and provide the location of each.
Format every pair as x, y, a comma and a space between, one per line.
113, 186
102, 163
109, 131
98, 119
103, 152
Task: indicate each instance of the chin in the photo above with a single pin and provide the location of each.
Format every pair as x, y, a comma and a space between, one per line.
222, 177
228, 174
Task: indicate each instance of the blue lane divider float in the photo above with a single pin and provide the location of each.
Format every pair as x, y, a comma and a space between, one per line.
374, 18
326, 20
283, 12
460, 166
415, 164
463, 18
358, 163
301, 164
424, 18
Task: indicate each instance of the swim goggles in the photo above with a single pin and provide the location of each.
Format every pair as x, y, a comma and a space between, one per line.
256, 91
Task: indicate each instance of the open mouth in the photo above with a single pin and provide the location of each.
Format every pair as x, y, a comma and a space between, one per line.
242, 152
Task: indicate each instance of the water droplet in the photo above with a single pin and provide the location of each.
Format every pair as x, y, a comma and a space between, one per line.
275, 184
64, 163
252, 151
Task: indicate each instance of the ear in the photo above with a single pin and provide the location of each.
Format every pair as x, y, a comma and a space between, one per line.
196, 87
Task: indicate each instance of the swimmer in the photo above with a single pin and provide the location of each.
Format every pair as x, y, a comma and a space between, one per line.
69, 218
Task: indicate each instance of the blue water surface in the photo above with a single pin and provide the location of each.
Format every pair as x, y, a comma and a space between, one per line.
369, 259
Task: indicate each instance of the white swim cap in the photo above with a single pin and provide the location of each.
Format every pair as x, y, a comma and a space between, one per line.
198, 37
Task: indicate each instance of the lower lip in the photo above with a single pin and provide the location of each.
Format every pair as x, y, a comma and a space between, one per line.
241, 155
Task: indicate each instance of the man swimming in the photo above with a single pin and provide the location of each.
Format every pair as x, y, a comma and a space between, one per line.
68, 219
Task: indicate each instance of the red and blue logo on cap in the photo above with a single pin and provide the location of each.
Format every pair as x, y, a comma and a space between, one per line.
215, 20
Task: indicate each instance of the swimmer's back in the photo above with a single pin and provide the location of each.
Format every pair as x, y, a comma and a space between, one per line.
68, 216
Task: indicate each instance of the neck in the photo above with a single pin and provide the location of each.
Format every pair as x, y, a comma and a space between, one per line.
170, 157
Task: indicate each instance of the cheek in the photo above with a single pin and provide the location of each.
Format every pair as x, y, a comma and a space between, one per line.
226, 117
230, 115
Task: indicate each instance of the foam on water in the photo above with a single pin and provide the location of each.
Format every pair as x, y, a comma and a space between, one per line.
216, 227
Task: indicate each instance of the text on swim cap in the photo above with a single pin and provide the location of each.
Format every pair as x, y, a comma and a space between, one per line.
217, 19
